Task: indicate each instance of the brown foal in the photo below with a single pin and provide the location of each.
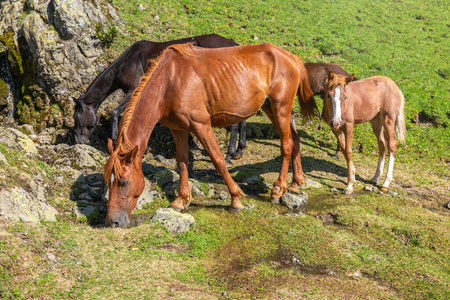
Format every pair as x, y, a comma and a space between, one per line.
377, 100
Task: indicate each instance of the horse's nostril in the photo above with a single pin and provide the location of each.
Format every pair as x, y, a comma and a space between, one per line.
115, 224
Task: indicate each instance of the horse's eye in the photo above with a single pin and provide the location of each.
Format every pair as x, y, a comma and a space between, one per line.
123, 182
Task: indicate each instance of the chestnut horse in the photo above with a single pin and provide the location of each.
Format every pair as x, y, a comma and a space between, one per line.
376, 99
190, 89
124, 73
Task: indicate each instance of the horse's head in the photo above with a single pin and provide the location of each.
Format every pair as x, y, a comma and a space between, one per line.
123, 174
335, 95
86, 118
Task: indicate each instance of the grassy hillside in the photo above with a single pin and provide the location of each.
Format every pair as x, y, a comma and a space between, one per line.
365, 246
404, 40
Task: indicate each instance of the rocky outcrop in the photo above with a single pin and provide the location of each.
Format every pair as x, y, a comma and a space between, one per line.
17, 141
52, 52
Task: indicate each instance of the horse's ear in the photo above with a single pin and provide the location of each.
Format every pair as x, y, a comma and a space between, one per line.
110, 146
76, 100
349, 79
130, 156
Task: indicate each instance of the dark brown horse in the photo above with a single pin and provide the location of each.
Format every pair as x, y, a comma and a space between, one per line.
317, 76
124, 73
377, 100
190, 89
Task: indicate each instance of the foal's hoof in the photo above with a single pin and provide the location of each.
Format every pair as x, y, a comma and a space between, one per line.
335, 156
384, 189
348, 192
275, 201
177, 209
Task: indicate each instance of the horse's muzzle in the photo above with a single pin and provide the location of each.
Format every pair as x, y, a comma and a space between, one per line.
335, 124
120, 220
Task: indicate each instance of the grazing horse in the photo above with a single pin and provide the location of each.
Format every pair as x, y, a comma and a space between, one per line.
317, 76
376, 99
190, 89
124, 73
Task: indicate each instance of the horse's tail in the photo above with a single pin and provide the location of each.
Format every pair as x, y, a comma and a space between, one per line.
305, 95
400, 125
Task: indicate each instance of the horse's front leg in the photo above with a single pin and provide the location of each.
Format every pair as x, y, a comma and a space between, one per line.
116, 113
184, 197
348, 153
206, 136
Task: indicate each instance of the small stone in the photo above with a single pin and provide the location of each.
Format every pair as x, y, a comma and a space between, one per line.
141, 7
334, 190
368, 188
223, 195
85, 196
249, 206
159, 158
447, 205
224, 294
294, 201
156, 18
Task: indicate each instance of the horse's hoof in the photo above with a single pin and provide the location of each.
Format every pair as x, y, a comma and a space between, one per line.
294, 189
275, 201
177, 209
335, 156
373, 182
384, 189
235, 210
237, 155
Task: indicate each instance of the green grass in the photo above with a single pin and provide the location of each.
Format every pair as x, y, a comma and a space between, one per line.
372, 246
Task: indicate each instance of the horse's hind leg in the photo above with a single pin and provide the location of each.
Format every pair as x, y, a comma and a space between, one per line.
184, 196
298, 177
206, 136
378, 131
389, 127
280, 118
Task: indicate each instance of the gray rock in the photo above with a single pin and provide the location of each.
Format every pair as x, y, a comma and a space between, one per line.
194, 186
17, 140
223, 195
19, 205
334, 190
80, 157
83, 211
96, 193
211, 191
3, 160
294, 201
147, 196
174, 221
166, 177
10, 12
368, 188
85, 196
70, 18
309, 183
254, 180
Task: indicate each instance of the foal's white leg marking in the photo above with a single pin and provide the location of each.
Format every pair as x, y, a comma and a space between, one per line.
351, 180
389, 171
380, 167
336, 105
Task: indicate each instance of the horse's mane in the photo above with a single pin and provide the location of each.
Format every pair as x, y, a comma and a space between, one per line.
123, 144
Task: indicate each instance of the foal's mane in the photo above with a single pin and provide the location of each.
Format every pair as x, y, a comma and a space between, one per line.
123, 144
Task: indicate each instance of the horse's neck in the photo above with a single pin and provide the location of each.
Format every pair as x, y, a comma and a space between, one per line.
100, 88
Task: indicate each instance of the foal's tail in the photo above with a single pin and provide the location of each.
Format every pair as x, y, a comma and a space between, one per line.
305, 95
400, 126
